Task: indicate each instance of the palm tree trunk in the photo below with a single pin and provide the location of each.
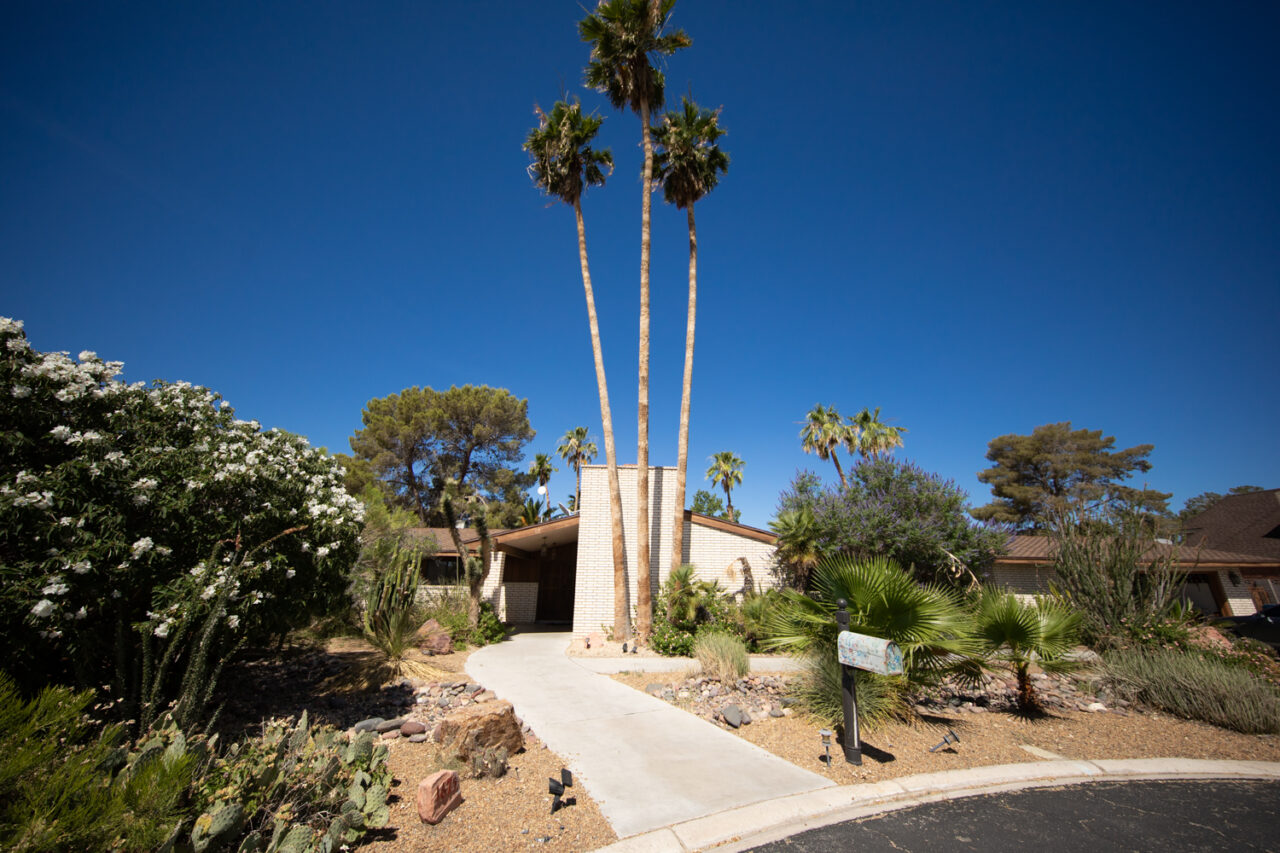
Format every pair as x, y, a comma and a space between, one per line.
1026, 693
644, 603
839, 470
728, 496
682, 456
620, 620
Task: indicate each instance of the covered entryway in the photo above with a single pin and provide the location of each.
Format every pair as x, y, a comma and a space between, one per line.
541, 562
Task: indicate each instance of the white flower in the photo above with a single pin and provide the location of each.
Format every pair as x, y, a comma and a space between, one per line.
233, 621
145, 484
43, 608
322, 551
81, 613
55, 586
290, 573
87, 355
66, 521
115, 457
209, 592
61, 432
162, 630
81, 567
21, 391
142, 546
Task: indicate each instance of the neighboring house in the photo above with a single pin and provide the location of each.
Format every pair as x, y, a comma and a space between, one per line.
1245, 524
561, 571
1218, 582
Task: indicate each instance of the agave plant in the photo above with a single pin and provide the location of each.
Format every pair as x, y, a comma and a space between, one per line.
1013, 633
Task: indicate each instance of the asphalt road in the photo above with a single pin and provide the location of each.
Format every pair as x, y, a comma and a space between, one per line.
1098, 817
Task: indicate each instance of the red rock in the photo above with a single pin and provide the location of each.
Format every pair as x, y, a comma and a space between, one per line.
433, 638
412, 727
391, 735
438, 794
595, 640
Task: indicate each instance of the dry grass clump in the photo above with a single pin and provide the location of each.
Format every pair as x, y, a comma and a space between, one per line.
721, 655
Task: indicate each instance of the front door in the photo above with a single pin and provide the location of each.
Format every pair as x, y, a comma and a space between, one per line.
556, 574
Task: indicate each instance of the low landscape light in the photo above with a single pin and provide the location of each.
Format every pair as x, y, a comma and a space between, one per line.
949, 738
825, 734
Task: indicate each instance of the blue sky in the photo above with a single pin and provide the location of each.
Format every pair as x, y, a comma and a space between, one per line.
980, 218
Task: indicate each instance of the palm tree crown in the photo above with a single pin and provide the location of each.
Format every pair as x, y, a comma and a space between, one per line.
623, 34
824, 432
726, 470
689, 164
577, 450
870, 437
542, 468
564, 163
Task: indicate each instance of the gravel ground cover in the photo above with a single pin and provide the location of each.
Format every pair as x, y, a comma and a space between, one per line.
509, 813
990, 733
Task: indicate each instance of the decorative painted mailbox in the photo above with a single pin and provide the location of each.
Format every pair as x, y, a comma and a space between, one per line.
870, 653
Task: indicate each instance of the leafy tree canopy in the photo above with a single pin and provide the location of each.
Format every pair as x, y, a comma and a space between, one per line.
471, 439
888, 508
708, 503
1055, 463
1204, 500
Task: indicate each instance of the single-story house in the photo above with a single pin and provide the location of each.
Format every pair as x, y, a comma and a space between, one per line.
1245, 524
1217, 582
561, 571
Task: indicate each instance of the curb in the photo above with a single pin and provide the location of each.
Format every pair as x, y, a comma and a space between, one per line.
772, 820
613, 666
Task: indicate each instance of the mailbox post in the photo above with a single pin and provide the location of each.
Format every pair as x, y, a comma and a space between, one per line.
848, 696
858, 651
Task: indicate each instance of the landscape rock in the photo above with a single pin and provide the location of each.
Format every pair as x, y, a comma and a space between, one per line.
438, 794
420, 738
412, 727
388, 725
479, 727
391, 735
369, 725
732, 715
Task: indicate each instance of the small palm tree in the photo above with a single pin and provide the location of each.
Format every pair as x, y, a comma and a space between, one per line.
798, 547
1013, 633
824, 432
726, 470
624, 34
564, 165
869, 437
577, 449
688, 165
542, 468
926, 621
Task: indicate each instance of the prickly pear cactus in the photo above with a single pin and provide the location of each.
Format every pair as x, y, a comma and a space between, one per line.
216, 831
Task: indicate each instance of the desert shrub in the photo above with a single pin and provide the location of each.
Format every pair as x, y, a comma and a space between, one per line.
391, 613
1113, 572
57, 789
817, 691
147, 531
1194, 686
669, 640
686, 604
723, 656
450, 606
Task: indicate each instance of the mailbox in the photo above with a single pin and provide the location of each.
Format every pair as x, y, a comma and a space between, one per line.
870, 653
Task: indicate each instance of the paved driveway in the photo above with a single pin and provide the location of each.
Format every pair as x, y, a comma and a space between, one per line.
1098, 817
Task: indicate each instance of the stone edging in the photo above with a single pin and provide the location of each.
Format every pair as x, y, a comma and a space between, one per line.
760, 823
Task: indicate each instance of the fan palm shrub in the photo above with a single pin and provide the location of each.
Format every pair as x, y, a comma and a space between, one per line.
928, 622
1012, 633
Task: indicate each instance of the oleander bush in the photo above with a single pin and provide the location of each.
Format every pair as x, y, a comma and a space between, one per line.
146, 532
1194, 686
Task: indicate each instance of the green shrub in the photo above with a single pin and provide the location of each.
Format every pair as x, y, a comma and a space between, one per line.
448, 606
817, 691
1194, 686
391, 613
669, 640
57, 789
490, 629
722, 655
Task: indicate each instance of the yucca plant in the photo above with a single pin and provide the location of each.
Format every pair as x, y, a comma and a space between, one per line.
1013, 633
392, 616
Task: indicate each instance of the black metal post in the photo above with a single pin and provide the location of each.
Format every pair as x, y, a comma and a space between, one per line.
848, 696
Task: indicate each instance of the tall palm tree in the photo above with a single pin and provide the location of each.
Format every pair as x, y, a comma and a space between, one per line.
578, 450
542, 469
726, 469
623, 35
564, 165
825, 431
870, 437
688, 165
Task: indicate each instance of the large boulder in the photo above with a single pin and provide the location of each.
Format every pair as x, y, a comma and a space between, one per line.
479, 727
433, 638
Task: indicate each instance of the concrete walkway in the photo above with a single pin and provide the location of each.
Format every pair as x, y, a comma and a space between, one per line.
646, 763
759, 663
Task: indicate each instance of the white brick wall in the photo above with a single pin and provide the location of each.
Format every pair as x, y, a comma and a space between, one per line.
716, 553
520, 600
1025, 582
1239, 601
